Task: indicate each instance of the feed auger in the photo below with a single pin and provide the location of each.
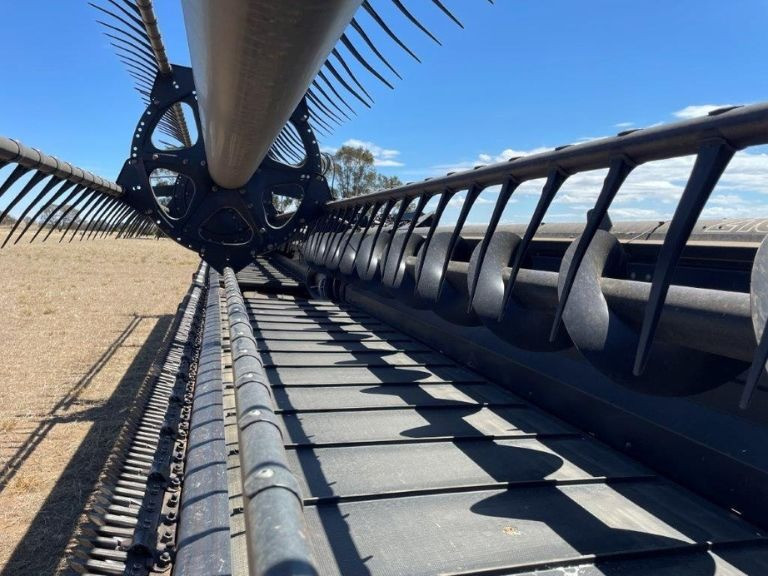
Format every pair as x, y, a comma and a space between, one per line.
364, 386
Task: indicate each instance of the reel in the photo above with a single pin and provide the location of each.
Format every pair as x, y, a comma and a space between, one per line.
170, 182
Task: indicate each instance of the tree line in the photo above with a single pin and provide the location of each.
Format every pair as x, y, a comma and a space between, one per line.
354, 173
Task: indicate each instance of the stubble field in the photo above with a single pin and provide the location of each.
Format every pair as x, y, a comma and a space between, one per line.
80, 325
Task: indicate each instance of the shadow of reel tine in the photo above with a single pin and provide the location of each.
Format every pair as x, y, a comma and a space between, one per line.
337, 236
434, 288
348, 259
521, 325
608, 340
318, 239
339, 246
339, 225
324, 240
372, 249
330, 250
333, 258
306, 247
395, 278
352, 251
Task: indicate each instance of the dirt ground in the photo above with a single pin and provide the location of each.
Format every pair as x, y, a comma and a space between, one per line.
80, 325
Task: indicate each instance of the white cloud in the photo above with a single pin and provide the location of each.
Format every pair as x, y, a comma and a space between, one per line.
639, 214
458, 200
652, 190
509, 153
382, 157
699, 110
746, 211
727, 200
694, 111
483, 159
659, 185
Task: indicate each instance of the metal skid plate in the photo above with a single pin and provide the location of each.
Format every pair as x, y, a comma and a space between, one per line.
410, 463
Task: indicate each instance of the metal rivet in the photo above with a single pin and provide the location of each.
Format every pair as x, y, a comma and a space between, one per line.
265, 473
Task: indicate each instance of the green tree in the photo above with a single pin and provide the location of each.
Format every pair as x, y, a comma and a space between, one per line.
285, 203
55, 211
387, 182
354, 173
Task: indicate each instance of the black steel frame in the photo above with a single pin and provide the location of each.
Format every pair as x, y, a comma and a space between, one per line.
359, 236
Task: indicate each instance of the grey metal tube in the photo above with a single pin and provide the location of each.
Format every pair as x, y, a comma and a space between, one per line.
275, 528
713, 321
13, 151
253, 61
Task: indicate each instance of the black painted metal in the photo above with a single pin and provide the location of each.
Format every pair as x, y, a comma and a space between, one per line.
469, 201
686, 332
399, 479
555, 180
51, 184
227, 227
620, 169
12, 151
507, 189
712, 159
596, 325
56, 187
134, 524
442, 203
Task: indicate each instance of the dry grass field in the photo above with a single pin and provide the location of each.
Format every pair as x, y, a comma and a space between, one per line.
80, 324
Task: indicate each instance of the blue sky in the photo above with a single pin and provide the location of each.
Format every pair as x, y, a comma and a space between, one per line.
523, 75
